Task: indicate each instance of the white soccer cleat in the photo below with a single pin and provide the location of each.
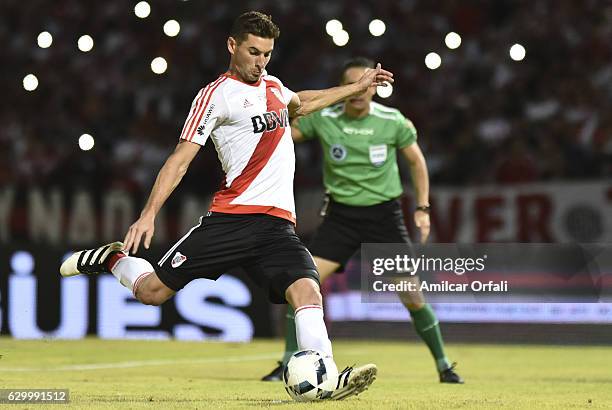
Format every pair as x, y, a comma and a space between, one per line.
89, 261
354, 380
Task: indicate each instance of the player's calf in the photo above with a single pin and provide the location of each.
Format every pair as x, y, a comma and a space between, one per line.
150, 290
304, 292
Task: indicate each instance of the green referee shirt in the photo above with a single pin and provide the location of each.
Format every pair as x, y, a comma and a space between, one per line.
360, 161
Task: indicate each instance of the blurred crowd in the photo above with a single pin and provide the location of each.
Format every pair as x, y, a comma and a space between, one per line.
482, 118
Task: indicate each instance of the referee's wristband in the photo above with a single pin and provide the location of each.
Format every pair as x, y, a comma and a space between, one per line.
423, 208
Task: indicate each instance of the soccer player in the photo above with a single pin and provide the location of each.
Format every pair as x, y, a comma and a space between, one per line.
360, 138
251, 219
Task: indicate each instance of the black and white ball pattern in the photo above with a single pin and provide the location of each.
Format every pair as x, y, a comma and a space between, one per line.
310, 376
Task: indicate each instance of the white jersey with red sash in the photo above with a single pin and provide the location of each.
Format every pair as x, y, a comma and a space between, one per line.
249, 125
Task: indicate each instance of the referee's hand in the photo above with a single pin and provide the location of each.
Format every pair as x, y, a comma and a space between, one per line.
421, 220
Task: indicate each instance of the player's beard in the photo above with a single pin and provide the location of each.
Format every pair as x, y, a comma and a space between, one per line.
256, 74
251, 77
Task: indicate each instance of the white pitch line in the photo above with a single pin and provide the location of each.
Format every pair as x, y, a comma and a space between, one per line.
143, 363
140, 363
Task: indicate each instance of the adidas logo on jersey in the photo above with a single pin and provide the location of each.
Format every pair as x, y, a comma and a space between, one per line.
270, 121
246, 104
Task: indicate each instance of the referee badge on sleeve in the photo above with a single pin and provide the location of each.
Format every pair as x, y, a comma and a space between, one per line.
337, 152
378, 154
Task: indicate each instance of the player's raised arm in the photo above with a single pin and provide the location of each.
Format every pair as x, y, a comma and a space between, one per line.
167, 180
420, 181
305, 102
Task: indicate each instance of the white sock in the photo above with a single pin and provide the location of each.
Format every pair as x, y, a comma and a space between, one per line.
310, 329
131, 270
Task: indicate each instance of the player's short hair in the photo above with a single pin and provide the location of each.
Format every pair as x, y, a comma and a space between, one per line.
256, 23
361, 62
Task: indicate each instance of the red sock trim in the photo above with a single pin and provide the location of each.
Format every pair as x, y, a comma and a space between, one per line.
113, 259
298, 310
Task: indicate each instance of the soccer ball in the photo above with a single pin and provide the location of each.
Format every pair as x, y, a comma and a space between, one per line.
310, 376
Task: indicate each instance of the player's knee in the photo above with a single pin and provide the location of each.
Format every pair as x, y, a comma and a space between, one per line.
304, 291
313, 295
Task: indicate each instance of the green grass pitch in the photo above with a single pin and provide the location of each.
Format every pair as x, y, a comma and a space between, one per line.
196, 375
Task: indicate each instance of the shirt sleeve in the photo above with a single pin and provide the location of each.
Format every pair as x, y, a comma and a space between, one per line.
207, 111
287, 94
307, 125
406, 132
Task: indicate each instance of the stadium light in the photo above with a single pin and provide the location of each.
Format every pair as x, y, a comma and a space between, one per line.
452, 40
517, 52
333, 27
22, 263
44, 39
172, 28
341, 38
142, 9
433, 60
85, 43
377, 27
30, 82
159, 65
86, 142
384, 92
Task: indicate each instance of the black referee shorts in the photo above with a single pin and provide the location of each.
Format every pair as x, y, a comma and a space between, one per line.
345, 228
265, 246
